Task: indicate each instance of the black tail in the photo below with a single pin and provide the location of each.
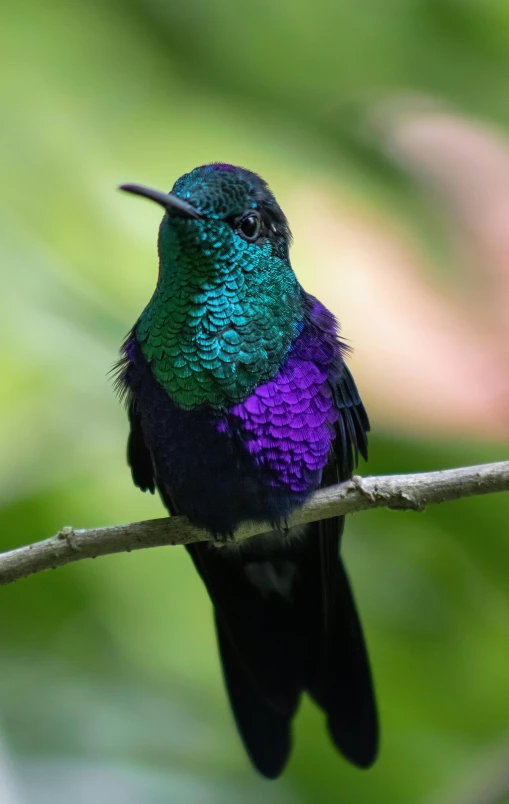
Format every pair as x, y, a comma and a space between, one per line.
286, 622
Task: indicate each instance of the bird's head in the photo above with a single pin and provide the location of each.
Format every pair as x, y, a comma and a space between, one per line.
219, 207
227, 305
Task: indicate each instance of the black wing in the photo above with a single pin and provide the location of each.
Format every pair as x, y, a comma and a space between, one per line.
352, 427
138, 455
340, 680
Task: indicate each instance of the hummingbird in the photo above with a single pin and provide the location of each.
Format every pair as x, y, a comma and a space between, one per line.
241, 405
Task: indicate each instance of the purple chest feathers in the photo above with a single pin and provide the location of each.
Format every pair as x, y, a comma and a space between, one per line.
288, 423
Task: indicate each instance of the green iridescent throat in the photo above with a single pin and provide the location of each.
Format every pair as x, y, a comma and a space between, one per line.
222, 317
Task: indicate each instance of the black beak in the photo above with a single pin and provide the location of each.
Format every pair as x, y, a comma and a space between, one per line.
172, 203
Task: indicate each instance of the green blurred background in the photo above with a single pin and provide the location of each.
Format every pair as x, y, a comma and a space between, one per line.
110, 688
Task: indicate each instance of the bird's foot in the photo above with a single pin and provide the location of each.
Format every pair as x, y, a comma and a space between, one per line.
283, 528
223, 539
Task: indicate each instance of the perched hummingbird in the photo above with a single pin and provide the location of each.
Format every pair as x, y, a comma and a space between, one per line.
240, 405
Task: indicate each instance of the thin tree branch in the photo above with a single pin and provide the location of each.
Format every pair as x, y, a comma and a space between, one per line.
398, 492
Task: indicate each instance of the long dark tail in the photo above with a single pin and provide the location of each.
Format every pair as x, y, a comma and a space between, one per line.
286, 622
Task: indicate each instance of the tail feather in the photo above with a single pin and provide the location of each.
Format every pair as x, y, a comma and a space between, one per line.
286, 623
264, 729
340, 679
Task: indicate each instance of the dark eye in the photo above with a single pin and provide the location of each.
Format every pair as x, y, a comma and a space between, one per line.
249, 227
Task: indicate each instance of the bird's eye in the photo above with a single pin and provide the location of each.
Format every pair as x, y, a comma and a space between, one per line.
250, 226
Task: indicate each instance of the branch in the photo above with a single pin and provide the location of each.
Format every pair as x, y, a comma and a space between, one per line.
397, 492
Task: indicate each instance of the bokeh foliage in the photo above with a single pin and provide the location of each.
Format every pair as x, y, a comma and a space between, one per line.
110, 684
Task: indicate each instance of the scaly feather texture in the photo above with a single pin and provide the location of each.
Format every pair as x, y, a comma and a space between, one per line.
213, 332
240, 405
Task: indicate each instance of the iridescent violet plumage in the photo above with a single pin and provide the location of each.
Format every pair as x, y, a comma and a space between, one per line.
291, 418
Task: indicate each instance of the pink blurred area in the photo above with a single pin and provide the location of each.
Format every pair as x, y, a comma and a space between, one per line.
431, 346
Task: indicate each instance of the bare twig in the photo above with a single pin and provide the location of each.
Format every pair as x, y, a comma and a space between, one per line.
402, 492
